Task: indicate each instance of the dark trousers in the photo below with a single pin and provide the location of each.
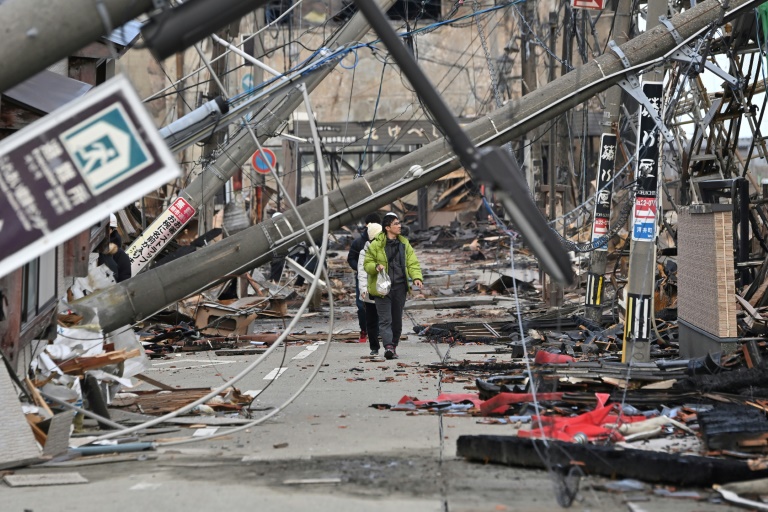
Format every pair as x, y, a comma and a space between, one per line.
372, 324
390, 310
361, 310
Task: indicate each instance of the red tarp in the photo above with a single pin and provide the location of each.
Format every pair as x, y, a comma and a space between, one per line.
592, 424
496, 405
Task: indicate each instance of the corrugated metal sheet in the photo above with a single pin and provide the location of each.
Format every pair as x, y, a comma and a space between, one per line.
46, 91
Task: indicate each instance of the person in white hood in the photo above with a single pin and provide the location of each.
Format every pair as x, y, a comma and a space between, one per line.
371, 316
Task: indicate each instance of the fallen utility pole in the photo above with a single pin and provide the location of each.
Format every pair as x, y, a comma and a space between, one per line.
240, 148
151, 291
40, 33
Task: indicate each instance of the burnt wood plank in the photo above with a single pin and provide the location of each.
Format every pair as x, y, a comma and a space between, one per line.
649, 466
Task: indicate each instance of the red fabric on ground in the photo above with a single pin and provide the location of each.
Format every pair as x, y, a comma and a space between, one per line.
544, 357
592, 424
496, 405
500, 403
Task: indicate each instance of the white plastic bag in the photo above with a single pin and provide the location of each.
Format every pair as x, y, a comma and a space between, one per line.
383, 284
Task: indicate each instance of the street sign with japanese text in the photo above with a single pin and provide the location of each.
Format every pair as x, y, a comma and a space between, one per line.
648, 150
75, 166
165, 227
605, 169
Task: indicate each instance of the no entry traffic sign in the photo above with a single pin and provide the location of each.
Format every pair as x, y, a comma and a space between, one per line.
263, 160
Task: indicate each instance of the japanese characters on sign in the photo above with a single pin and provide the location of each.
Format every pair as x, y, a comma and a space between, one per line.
159, 233
60, 175
605, 170
384, 133
644, 219
648, 150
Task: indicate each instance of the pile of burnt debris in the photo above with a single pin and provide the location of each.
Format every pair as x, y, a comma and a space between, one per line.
565, 391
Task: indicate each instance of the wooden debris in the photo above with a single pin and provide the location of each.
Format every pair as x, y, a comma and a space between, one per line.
79, 365
156, 383
161, 402
38, 399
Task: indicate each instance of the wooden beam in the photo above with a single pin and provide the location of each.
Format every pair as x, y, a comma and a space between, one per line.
9, 329
156, 383
76, 254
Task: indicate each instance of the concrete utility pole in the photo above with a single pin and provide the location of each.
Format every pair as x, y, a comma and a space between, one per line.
642, 251
219, 69
598, 258
241, 146
553, 294
40, 33
529, 84
151, 291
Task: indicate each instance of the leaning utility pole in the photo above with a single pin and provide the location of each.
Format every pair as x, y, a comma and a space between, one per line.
642, 251
218, 71
605, 172
240, 148
141, 296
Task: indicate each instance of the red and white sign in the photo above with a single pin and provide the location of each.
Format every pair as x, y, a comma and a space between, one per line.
145, 248
644, 219
595, 5
264, 160
599, 228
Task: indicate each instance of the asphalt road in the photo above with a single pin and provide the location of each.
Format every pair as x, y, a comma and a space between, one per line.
329, 450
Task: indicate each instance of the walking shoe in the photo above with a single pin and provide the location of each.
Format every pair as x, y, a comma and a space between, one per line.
389, 353
374, 352
394, 353
363, 337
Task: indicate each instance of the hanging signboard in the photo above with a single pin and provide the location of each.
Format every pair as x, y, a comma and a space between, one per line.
648, 150
604, 189
75, 166
165, 227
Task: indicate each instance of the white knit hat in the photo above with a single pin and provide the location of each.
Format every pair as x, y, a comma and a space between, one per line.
374, 228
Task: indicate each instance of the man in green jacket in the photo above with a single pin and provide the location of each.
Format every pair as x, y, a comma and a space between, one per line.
391, 252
